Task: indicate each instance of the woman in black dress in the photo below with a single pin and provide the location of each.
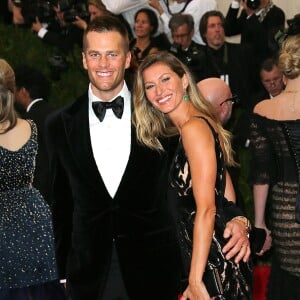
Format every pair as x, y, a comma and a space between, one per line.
167, 102
275, 135
27, 261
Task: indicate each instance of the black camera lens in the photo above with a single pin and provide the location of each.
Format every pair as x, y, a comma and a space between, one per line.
253, 4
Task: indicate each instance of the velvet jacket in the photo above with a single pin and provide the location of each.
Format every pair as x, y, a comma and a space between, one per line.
87, 220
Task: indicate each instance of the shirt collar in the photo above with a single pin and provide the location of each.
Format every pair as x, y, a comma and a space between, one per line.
33, 102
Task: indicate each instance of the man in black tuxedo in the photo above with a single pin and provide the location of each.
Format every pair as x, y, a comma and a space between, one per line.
32, 92
114, 235
257, 23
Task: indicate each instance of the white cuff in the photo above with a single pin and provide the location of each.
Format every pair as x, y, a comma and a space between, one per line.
42, 32
235, 4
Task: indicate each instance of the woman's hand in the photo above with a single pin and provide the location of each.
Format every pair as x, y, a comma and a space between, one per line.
195, 292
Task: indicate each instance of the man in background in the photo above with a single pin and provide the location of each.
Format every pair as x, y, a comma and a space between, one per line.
218, 93
184, 48
272, 82
32, 91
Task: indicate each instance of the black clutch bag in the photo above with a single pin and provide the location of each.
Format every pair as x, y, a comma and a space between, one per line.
220, 274
215, 264
212, 281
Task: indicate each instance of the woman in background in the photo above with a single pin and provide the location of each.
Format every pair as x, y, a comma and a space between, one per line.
275, 136
145, 26
27, 262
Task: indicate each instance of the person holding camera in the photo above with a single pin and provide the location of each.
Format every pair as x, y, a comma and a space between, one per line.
60, 30
184, 48
258, 23
195, 8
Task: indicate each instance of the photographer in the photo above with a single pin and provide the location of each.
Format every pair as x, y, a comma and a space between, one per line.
184, 48
258, 22
52, 21
96, 9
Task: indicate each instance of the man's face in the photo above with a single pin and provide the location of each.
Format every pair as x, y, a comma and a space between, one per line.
183, 36
105, 60
215, 35
272, 81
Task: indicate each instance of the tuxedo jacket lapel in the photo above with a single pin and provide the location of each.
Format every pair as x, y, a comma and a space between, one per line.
76, 124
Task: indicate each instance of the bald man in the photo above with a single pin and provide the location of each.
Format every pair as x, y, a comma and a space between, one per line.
218, 93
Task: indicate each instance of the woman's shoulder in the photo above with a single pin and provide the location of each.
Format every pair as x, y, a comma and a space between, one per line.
199, 125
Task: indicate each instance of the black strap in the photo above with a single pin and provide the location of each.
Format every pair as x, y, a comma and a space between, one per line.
182, 10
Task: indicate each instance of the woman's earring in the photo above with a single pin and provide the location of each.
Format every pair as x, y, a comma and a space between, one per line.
185, 98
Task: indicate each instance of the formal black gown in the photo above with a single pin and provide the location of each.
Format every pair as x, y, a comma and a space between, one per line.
276, 153
27, 261
236, 278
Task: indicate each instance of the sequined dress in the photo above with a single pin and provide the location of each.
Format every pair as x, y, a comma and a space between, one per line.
276, 153
26, 238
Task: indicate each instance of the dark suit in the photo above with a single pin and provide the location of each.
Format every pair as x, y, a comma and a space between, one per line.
87, 220
260, 35
38, 113
193, 57
236, 61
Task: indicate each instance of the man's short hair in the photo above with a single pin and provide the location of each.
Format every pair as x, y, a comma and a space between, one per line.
107, 24
181, 19
268, 64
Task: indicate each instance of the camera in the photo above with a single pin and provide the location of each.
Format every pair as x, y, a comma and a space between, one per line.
77, 9
253, 4
72, 9
36, 8
43, 9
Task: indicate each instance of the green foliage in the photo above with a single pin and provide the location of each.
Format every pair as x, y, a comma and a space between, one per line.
22, 46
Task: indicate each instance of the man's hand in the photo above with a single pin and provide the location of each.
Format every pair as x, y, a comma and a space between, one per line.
37, 25
238, 244
155, 4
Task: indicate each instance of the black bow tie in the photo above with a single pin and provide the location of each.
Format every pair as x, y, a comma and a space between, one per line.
117, 105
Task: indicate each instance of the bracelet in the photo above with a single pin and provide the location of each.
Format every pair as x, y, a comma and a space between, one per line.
245, 221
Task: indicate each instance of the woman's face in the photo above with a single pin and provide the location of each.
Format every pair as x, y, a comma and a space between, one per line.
142, 26
96, 12
163, 87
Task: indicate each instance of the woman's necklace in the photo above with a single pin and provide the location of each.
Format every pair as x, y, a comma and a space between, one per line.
292, 106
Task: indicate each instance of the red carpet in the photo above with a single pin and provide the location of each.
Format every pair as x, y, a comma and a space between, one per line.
261, 275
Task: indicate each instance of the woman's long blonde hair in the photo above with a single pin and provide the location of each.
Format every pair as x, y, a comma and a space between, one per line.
151, 124
7, 90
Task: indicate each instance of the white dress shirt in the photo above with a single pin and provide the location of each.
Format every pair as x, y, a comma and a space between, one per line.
111, 141
128, 9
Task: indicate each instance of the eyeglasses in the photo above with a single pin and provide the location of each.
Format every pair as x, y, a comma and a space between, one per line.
180, 36
234, 99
